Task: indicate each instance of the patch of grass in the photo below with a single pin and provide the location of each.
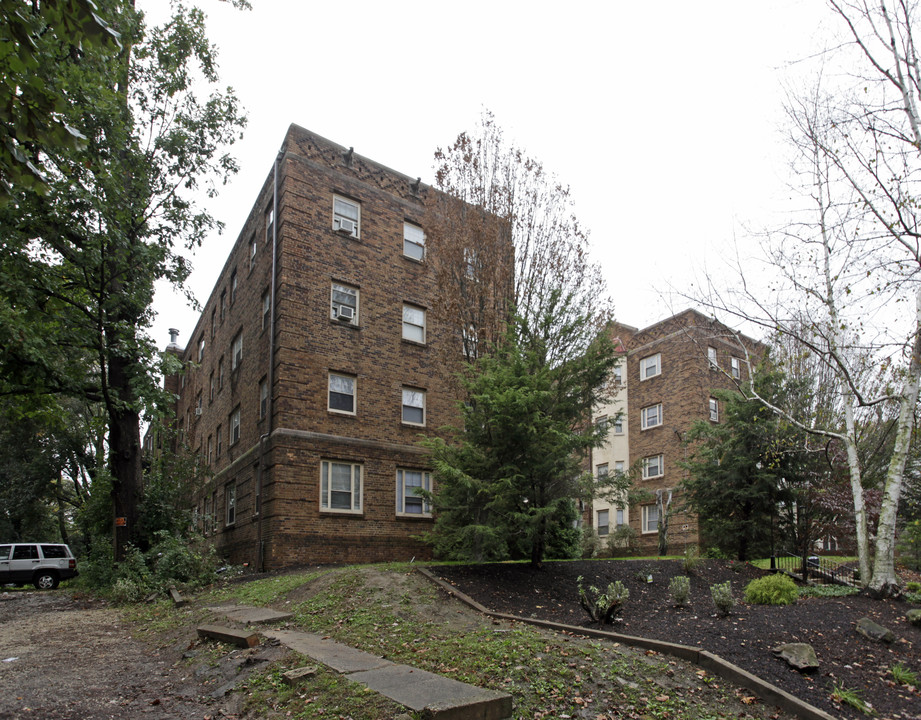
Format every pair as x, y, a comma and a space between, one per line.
851, 698
264, 591
903, 676
827, 591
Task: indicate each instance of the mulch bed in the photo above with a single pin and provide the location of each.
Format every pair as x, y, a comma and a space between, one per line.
745, 638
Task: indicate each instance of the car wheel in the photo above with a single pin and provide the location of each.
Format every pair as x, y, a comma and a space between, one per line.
46, 581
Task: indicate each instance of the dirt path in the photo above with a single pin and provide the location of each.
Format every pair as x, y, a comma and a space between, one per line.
66, 659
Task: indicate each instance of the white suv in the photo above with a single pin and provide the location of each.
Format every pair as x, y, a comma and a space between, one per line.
42, 564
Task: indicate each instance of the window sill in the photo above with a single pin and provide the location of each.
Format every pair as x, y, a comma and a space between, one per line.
339, 323
411, 425
414, 516
341, 413
338, 513
407, 341
414, 260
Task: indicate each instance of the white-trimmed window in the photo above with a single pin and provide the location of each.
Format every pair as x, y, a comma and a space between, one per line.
653, 466
471, 261
650, 519
711, 358
620, 517
236, 351
603, 522
220, 373
618, 425
413, 241
469, 341
735, 366
413, 406
618, 374
714, 409
340, 486
601, 471
269, 222
233, 287
410, 483
210, 449
263, 398
219, 434
252, 253
342, 393
346, 216
651, 416
650, 366
601, 423
618, 467
201, 348
211, 387
266, 308
235, 427
344, 303
230, 501
413, 323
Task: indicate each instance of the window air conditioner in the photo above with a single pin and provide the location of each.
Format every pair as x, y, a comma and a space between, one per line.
197, 411
346, 226
345, 313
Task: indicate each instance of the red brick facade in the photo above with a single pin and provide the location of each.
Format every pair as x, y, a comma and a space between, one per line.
685, 358
271, 419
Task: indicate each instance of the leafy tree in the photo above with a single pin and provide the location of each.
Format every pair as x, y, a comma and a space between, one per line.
80, 260
505, 483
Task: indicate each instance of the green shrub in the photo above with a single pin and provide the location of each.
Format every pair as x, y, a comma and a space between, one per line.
591, 543
623, 539
913, 587
691, 559
827, 591
913, 597
714, 553
679, 588
601, 607
722, 598
771, 590
181, 561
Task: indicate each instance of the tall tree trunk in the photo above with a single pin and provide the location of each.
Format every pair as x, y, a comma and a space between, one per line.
884, 582
124, 457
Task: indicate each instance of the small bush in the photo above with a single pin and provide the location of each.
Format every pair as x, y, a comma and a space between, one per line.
722, 598
591, 543
680, 589
601, 607
621, 540
691, 559
771, 590
913, 587
913, 597
714, 553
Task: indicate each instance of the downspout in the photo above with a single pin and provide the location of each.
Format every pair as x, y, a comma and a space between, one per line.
260, 542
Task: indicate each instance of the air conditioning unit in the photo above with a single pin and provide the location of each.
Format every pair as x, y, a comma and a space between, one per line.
197, 411
345, 313
346, 226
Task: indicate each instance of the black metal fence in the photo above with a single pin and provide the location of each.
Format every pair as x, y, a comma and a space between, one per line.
817, 570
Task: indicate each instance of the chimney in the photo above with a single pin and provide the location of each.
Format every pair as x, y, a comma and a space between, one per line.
173, 334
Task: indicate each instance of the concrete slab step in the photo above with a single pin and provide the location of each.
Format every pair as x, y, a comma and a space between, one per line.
249, 615
241, 638
439, 698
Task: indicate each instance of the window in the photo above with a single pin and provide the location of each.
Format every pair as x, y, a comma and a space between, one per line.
620, 520
652, 467
269, 222
346, 216
735, 366
413, 406
469, 341
266, 309
618, 467
470, 260
714, 410
603, 522
711, 358
220, 373
413, 323
219, 434
198, 404
340, 486
263, 398
210, 449
413, 241
252, 253
233, 286
344, 301
213, 316
230, 501
618, 425
235, 427
618, 374
201, 348
409, 485
223, 304
341, 393
601, 423
650, 519
211, 387
601, 471
650, 366
236, 351
651, 416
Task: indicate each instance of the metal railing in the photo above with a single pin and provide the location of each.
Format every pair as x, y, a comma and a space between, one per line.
817, 570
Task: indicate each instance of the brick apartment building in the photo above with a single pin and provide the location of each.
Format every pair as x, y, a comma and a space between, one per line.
666, 380
314, 368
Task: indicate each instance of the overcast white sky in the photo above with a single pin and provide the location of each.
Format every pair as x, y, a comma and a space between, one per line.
664, 118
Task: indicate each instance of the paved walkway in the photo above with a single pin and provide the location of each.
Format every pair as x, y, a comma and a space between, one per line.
437, 697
